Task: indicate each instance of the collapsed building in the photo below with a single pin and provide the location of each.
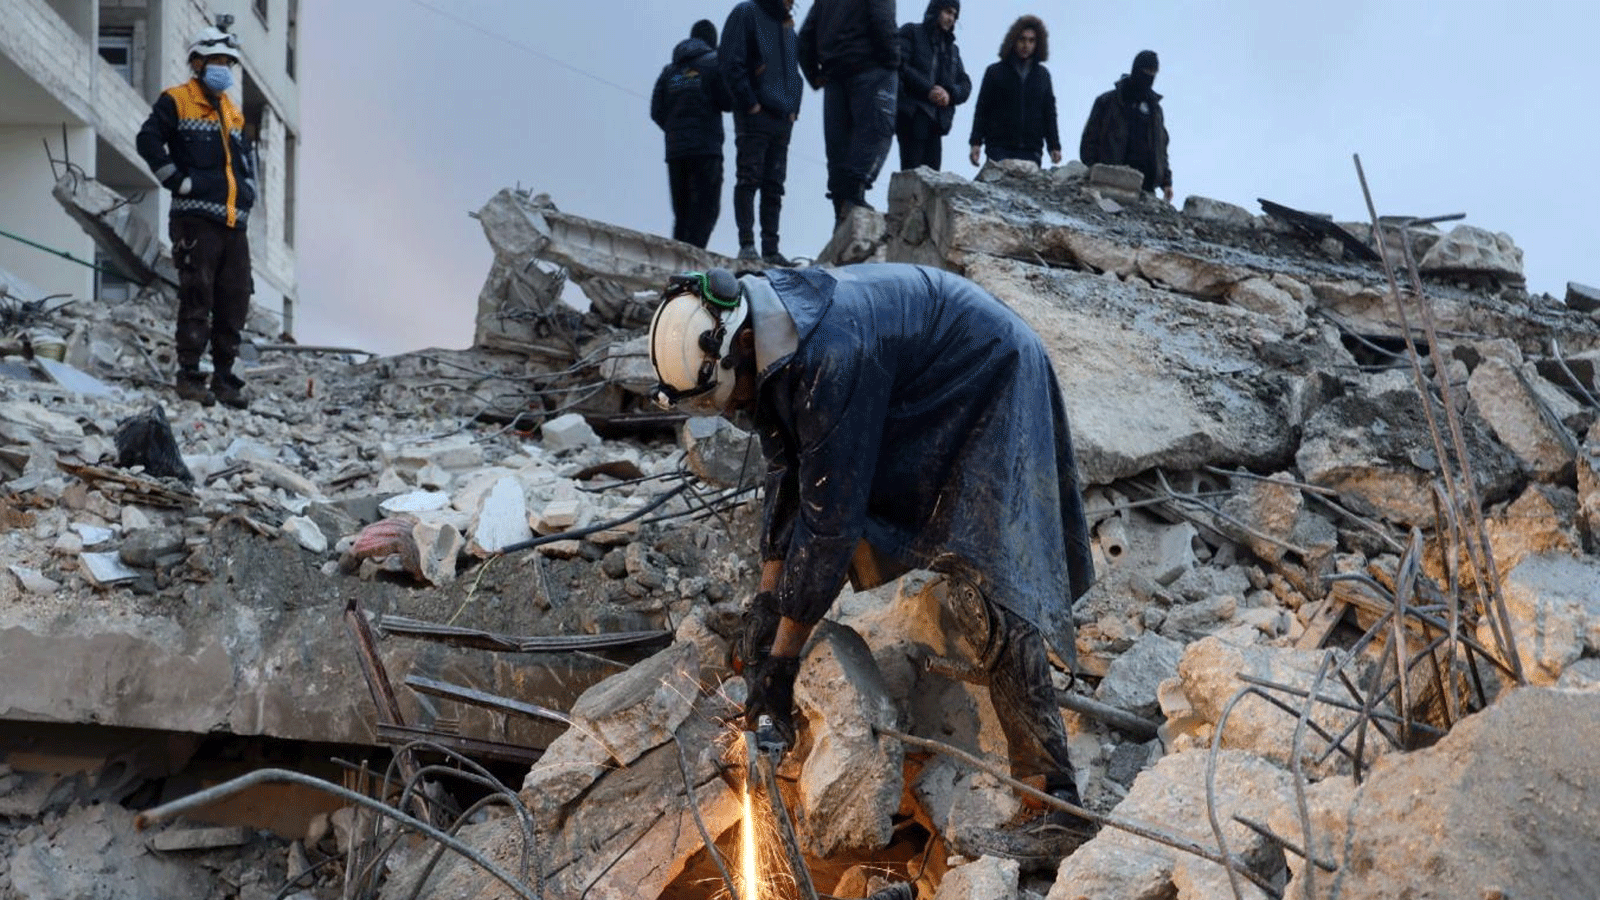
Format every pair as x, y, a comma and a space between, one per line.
1344, 489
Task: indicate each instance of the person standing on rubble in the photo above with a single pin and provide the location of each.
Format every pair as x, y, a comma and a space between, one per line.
195, 144
909, 420
759, 62
688, 102
1127, 128
849, 49
933, 82
1016, 110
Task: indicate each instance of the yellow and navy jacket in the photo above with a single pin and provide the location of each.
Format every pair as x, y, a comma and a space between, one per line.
186, 136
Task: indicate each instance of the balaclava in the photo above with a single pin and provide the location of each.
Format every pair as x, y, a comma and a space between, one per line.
1140, 81
706, 31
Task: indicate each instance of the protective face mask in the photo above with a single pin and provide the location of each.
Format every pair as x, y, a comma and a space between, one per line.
217, 78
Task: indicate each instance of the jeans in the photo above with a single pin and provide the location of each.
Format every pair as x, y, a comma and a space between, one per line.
857, 128
920, 142
696, 185
761, 163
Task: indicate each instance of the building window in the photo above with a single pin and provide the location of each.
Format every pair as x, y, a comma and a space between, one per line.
289, 147
261, 10
116, 48
291, 35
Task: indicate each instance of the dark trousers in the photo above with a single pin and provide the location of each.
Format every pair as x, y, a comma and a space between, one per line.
857, 128
920, 142
1011, 652
998, 153
761, 163
214, 287
696, 184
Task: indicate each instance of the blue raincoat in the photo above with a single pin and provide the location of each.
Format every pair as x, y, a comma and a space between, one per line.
914, 410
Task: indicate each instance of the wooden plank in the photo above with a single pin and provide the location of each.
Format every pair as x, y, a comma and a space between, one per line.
1330, 611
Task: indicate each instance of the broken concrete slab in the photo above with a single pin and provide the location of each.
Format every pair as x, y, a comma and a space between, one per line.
1467, 249
145, 546
501, 519
105, 569
1172, 796
1525, 420
567, 432
1582, 297
439, 546
306, 533
850, 781
1132, 681
1117, 182
989, 878
859, 237
1219, 211
415, 502
1554, 603
721, 453
1260, 295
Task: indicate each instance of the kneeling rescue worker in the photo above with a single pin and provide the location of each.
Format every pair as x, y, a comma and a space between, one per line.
909, 420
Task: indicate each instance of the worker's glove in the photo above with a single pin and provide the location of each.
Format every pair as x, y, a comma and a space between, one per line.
756, 633
770, 691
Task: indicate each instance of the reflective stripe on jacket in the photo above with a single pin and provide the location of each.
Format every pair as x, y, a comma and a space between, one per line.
184, 138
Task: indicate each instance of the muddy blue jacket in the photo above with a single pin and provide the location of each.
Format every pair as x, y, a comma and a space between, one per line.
921, 414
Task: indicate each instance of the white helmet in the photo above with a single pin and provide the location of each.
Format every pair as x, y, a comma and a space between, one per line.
214, 41
690, 336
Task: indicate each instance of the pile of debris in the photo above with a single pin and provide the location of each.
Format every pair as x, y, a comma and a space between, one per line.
1347, 531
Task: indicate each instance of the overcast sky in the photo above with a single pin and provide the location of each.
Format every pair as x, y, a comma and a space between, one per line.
415, 112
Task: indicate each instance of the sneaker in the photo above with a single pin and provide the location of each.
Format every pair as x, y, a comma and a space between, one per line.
1038, 843
191, 385
777, 259
229, 388
748, 251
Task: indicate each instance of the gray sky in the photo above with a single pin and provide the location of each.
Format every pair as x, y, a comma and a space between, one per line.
415, 112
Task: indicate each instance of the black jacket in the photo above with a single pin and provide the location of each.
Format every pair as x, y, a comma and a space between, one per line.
841, 38
758, 59
920, 413
1013, 113
689, 100
929, 57
186, 136
1105, 135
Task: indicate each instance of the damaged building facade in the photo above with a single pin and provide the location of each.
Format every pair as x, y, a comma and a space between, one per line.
79, 77
1346, 622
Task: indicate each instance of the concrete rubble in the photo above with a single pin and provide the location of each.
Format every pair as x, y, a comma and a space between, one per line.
1259, 461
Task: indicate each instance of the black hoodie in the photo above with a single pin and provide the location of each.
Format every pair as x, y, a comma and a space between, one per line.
841, 38
929, 57
689, 100
758, 58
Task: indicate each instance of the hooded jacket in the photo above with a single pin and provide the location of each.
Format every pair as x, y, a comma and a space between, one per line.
758, 58
1015, 112
194, 134
914, 410
841, 38
689, 100
929, 57
1105, 134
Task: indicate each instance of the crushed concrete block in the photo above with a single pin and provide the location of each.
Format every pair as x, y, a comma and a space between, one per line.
20, 420
438, 546
851, 782
1582, 297
67, 544
1512, 412
501, 519
415, 502
1260, 295
1117, 182
858, 238
1132, 681
133, 518
627, 364
174, 839
1554, 604
1221, 212
105, 569
1174, 552
76, 380
1468, 249
306, 533
1071, 170
434, 477
567, 432
989, 878
144, 547
559, 515
721, 453
249, 450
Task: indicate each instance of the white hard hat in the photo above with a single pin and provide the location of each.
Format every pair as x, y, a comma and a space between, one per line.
214, 41
690, 336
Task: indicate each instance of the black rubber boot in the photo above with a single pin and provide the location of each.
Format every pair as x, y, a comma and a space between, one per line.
1038, 843
229, 388
191, 385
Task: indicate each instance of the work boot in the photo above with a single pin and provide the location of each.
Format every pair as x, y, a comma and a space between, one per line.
774, 258
748, 251
191, 385
229, 388
1038, 843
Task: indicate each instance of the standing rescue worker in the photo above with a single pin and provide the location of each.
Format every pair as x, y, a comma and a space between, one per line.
909, 420
850, 50
194, 142
933, 82
760, 64
688, 102
1016, 110
1126, 126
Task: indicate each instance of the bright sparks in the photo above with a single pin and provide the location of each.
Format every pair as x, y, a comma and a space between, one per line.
748, 856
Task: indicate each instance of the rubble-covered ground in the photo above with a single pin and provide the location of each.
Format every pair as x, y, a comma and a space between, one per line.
1286, 501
